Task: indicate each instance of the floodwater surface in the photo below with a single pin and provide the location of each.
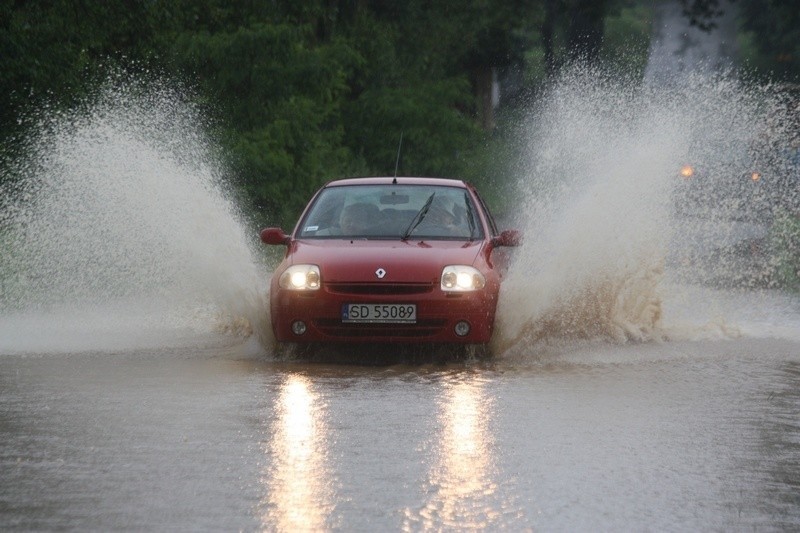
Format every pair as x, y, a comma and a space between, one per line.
678, 436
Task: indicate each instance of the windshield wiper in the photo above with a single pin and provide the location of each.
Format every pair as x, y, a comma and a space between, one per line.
418, 217
470, 217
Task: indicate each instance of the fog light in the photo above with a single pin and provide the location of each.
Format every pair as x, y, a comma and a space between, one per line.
298, 327
462, 328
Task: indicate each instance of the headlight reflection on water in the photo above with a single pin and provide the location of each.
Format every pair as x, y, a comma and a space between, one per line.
463, 473
297, 498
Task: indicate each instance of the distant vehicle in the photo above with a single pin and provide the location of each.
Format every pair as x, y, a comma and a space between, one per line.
743, 190
749, 179
390, 260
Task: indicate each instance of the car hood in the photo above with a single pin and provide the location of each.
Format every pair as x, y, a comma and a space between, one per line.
358, 260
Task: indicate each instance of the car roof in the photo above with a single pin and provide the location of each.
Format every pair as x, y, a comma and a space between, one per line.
400, 180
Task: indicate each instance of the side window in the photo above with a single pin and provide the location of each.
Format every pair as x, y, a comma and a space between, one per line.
324, 213
489, 217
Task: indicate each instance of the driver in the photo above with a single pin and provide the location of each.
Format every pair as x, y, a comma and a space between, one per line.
357, 219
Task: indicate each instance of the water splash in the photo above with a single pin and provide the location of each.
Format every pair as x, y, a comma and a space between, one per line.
614, 234
118, 225
118, 231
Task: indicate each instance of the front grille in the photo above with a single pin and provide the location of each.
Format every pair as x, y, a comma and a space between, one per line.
380, 288
423, 328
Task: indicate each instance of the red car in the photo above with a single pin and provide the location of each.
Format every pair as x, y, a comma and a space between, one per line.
389, 260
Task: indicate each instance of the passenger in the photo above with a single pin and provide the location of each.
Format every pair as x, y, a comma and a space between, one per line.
357, 219
440, 217
440, 221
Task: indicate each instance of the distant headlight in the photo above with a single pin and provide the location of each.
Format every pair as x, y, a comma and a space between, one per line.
300, 278
462, 278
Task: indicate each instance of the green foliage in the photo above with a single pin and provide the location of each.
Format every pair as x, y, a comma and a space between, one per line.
280, 96
54, 50
54, 53
627, 37
426, 114
616, 32
771, 37
305, 92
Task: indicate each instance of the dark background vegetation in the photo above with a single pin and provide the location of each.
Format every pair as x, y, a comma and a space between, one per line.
305, 92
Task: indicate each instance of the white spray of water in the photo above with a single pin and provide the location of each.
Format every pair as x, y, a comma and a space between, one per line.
119, 233
615, 239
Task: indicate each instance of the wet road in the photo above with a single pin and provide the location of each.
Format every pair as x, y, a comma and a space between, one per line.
701, 435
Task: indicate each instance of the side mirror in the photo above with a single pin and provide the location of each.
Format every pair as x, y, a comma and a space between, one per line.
274, 236
509, 237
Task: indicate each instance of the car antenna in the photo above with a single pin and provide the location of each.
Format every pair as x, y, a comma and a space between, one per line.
397, 163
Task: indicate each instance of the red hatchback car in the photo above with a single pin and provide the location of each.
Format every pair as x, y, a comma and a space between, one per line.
389, 260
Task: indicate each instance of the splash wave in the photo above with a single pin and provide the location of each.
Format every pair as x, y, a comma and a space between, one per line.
611, 227
122, 201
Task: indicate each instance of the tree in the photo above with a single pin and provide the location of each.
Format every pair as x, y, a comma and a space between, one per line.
279, 97
773, 31
585, 30
302, 92
701, 13
581, 21
53, 53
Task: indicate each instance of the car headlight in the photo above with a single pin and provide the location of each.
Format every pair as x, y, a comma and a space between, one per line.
462, 278
300, 278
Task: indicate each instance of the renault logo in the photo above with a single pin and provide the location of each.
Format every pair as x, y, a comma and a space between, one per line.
380, 273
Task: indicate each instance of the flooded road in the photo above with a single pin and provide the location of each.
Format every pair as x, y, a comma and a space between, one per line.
698, 435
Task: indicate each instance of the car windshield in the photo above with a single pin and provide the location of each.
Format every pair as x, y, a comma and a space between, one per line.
392, 212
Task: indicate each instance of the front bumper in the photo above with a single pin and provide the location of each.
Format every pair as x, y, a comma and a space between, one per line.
437, 314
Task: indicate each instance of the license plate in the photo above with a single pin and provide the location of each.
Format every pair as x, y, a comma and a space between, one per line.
380, 313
